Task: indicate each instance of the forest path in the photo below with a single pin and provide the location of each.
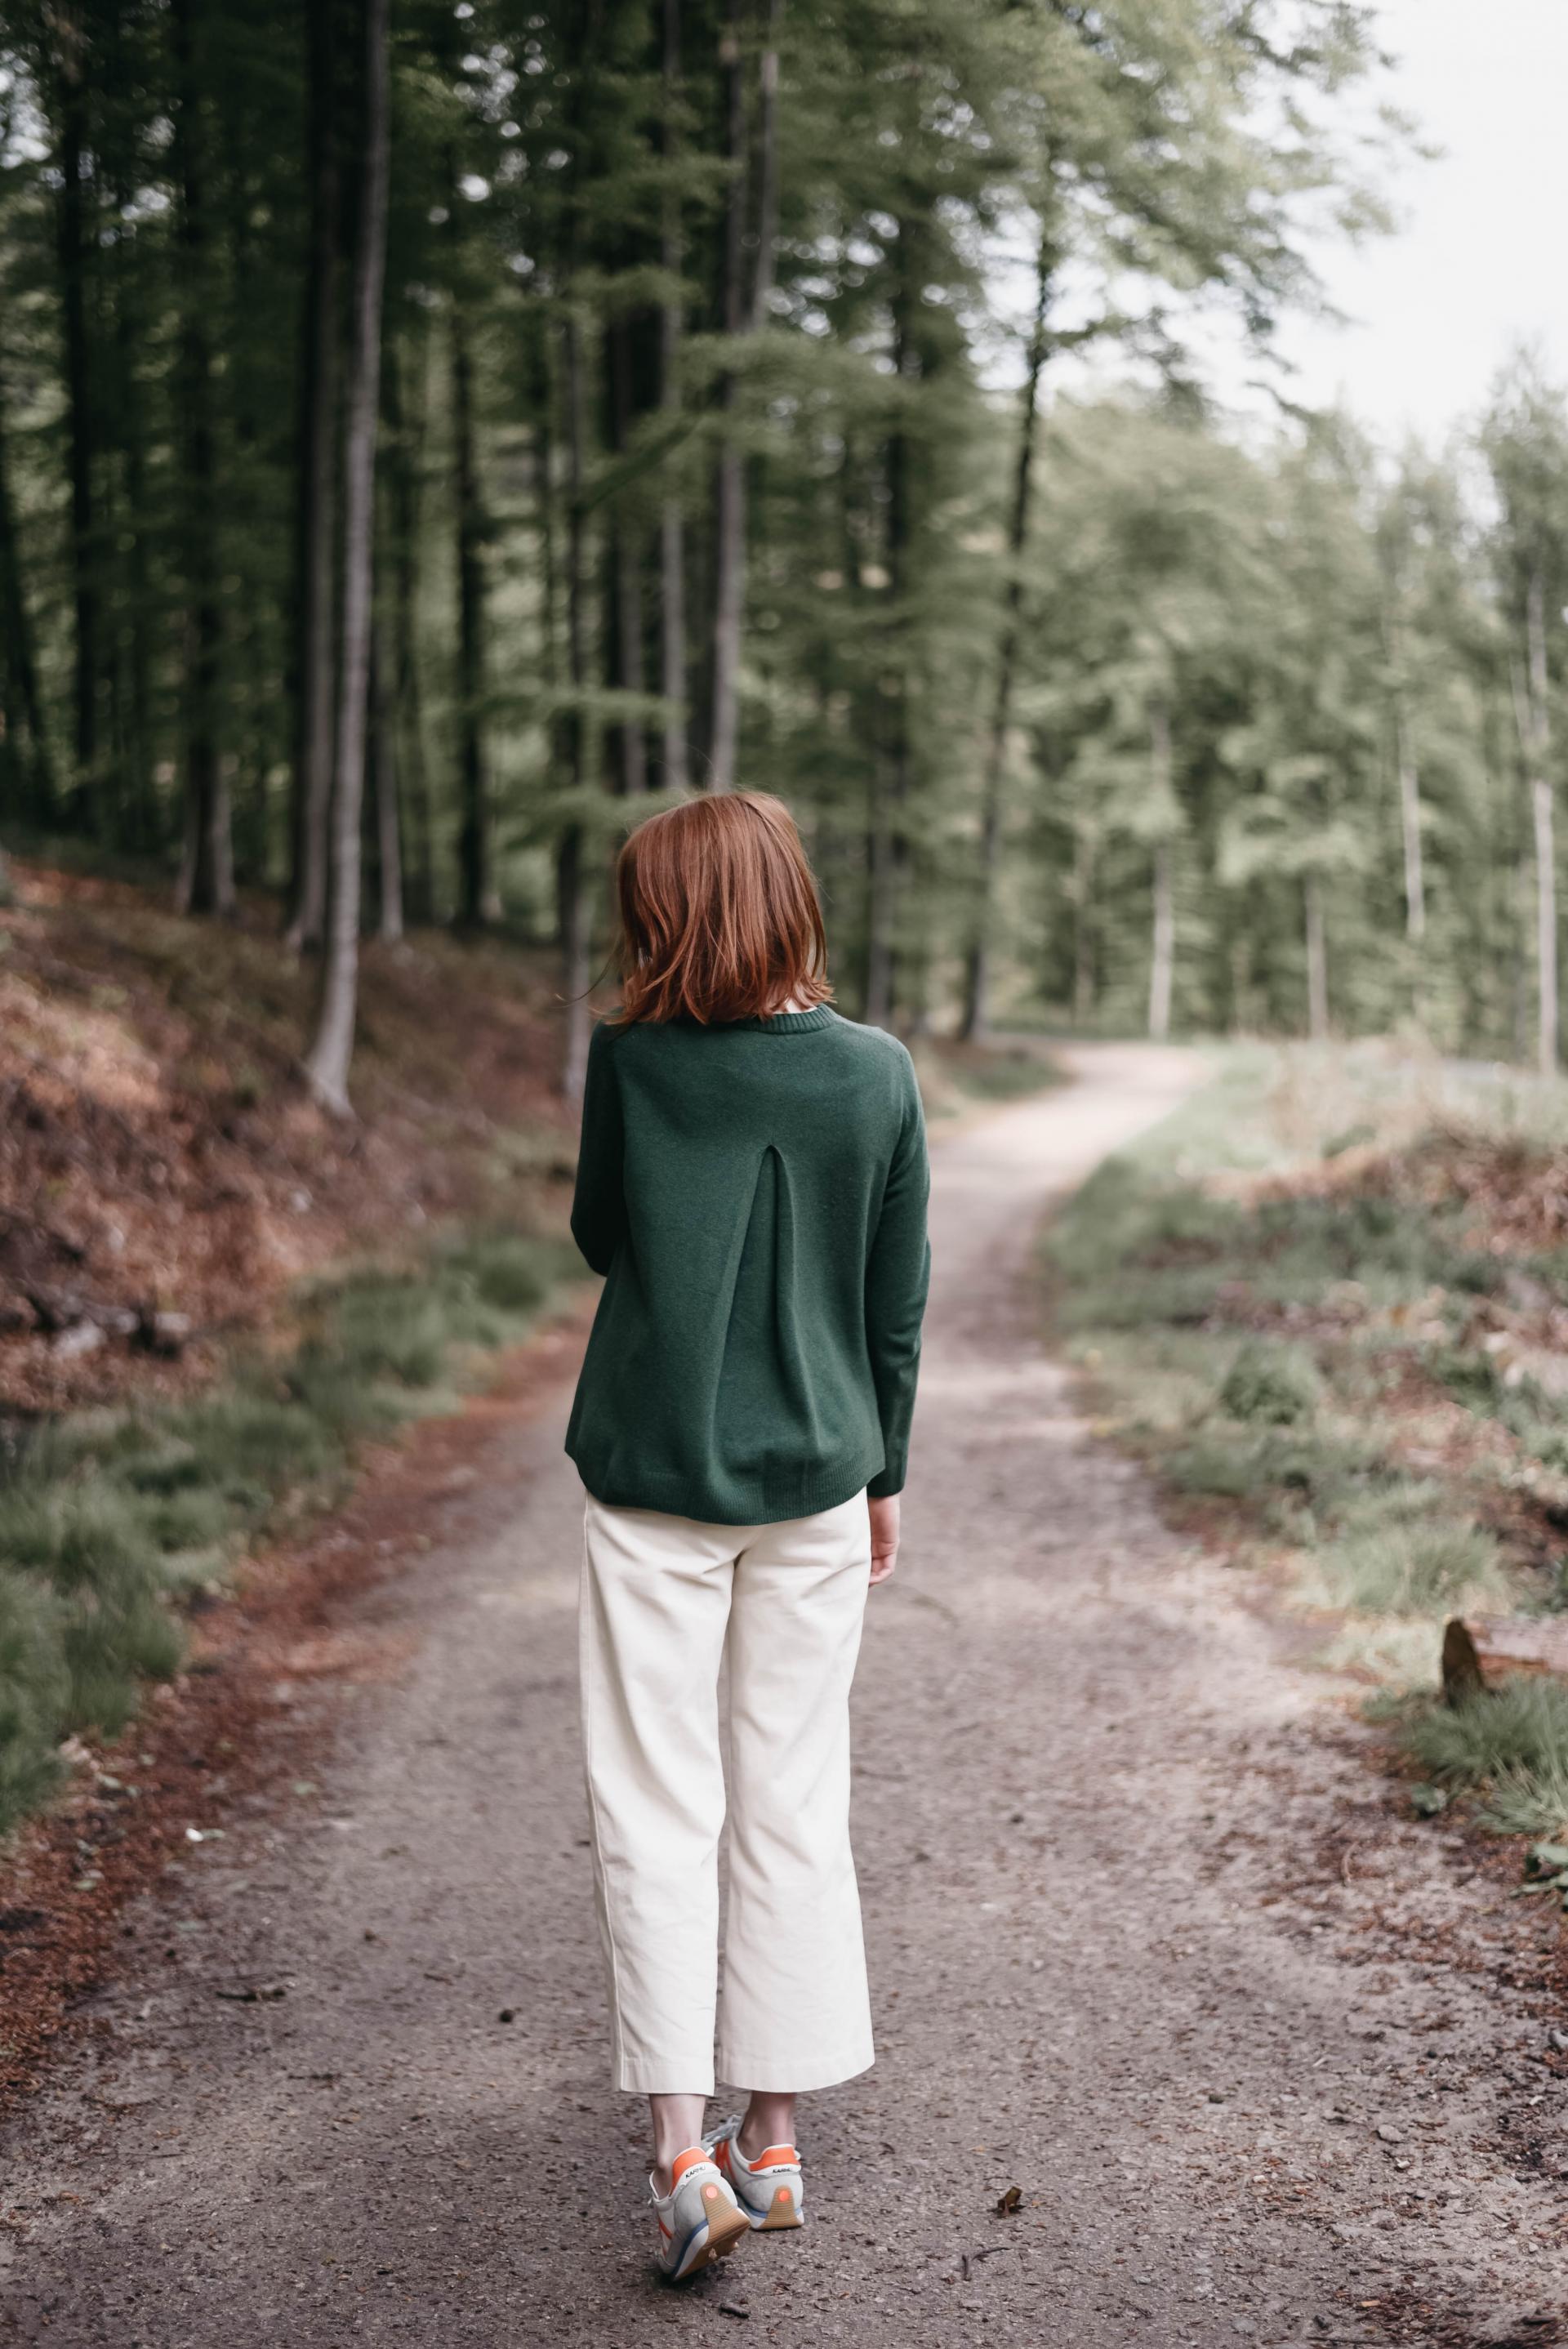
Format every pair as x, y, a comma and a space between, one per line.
1112, 1963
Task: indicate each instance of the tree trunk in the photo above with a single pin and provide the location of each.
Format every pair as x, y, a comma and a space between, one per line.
317, 519
327, 1067
676, 772
1316, 960
389, 811
476, 889
138, 813
1411, 828
625, 578
22, 706
406, 425
572, 875
73, 244
977, 969
1530, 686
206, 883
887, 847
1083, 929
1162, 961
743, 308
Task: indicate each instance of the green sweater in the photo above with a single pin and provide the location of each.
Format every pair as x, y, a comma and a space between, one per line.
755, 1195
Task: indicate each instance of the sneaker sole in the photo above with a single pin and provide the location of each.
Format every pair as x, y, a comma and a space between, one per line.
784, 2211
724, 2232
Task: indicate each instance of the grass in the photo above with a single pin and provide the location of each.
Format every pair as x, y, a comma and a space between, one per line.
955, 1078
1268, 1349
1511, 1747
110, 1520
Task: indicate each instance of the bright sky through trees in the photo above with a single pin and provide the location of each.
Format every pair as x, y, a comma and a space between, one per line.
1477, 263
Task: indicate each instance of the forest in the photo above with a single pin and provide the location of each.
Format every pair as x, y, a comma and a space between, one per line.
431, 436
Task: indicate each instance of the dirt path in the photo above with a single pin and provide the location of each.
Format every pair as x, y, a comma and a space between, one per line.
1111, 1967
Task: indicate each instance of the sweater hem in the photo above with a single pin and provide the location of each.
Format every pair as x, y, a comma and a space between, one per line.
772, 1501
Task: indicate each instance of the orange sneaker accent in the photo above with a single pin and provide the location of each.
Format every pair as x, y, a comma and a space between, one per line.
773, 2153
683, 2162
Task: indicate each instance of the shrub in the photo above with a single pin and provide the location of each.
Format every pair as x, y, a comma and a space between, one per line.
1419, 1567
1277, 1385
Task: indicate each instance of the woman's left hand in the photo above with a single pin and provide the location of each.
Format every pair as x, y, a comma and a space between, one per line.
884, 1538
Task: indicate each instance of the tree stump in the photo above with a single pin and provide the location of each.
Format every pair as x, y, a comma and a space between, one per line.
1479, 1651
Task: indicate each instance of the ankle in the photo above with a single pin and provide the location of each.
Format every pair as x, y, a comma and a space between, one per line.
769, 2121
678, 2125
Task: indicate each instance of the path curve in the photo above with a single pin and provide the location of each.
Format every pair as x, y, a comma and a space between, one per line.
1085, 1776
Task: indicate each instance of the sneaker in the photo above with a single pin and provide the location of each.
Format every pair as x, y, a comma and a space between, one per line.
699, 2220
768, 2189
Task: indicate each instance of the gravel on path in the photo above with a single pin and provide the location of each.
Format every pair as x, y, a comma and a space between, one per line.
1109, 1971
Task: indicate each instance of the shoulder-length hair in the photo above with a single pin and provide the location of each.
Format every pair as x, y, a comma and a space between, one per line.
719, 913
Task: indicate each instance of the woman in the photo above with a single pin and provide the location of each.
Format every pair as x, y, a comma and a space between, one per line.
753, 1184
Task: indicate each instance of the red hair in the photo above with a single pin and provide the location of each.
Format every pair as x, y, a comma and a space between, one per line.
719, 913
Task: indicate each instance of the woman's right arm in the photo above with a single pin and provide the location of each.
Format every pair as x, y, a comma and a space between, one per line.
599, 1203
896, 1279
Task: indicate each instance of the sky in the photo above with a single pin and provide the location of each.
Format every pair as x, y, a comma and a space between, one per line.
1479, 261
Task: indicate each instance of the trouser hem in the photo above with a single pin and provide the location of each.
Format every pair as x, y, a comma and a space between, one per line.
780, 2073
647, 2078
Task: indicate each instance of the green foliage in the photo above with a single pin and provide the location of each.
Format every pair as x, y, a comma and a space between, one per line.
1513, 1743
1393, 1559
1276, 1384
109, 1518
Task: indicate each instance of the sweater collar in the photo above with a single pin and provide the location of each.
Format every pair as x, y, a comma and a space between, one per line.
791, 1023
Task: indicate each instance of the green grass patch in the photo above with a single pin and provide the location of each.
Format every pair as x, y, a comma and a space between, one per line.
1510, 1745
1261, 1348
108, 1519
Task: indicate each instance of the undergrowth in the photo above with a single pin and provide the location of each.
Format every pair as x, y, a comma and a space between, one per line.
110, 1519
1300, 1360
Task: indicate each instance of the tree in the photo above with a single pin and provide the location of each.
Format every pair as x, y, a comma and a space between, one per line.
330, 1054
316, 490
1525, 439
746, 281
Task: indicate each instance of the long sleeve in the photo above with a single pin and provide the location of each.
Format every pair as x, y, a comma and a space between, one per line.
599, 1202
897, 1275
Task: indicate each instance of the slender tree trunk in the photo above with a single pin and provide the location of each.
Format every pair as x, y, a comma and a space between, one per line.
1162, 969
18, 659
388, 809
317, 494
626, 576
887, 845
977, 969
406, 425
1162, 959
206, 882
1083, 928
1543, 816
572, 873
328, 1064
1410, 828
73, 244
476, 889
743, 308
676, 772
1316, 959
1531, 712
141, 822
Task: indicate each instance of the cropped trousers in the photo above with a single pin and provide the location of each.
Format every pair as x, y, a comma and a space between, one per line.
666, 1603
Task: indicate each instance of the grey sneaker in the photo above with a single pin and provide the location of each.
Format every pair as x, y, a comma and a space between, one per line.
768, 2189
699, 2218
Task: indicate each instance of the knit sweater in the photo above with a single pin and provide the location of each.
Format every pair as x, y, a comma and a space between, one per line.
755, 1194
